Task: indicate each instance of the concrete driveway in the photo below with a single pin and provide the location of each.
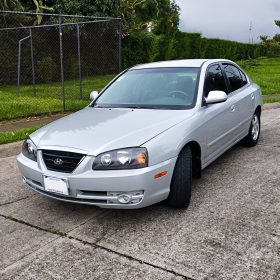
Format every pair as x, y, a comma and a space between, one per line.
230, 231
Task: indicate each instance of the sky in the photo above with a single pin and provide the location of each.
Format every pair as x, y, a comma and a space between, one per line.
228, 19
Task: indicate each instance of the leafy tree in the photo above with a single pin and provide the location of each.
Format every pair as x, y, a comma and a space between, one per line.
14, 5
159, 15
137, 15
38, 6
275, 40
86, 7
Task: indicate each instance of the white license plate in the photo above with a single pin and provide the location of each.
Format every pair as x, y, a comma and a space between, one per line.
56, 185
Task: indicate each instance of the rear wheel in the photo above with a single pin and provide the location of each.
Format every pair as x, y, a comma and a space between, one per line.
180, 188
252, 138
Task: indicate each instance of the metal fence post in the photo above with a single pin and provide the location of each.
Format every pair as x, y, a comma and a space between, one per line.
18, 66
79, 60
32, 62
61, 63
19, 61
120, 46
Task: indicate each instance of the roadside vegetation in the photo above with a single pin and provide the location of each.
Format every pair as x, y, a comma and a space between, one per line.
48, 99
263, 71
13, 136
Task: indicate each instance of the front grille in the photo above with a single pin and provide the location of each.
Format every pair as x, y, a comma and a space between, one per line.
61, 161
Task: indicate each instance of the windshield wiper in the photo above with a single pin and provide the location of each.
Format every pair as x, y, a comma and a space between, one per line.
97, 106
144, 107
127, 107
135, 107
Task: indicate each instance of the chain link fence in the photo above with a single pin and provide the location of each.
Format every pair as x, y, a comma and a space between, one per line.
55, 59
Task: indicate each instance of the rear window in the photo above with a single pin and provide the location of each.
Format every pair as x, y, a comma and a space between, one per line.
234, 76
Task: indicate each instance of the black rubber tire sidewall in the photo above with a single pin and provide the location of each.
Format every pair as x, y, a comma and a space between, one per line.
180, 187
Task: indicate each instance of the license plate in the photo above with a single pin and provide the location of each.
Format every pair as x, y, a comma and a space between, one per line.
56, 185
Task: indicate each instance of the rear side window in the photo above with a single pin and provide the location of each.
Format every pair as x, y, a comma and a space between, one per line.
234, 76
243, 77
214, 80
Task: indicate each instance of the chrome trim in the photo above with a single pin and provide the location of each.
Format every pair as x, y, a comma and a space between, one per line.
62, 148
108, 200
111, 198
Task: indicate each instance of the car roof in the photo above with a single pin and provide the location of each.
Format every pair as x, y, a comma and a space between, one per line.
176, 63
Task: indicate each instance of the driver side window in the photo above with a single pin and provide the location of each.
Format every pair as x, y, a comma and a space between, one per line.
214, 80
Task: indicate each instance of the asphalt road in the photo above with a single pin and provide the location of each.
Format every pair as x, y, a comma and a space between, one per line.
230, 231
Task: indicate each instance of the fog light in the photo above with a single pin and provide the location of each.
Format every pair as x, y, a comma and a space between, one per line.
124, 198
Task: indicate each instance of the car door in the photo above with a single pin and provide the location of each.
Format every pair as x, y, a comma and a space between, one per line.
241, 91
219, 119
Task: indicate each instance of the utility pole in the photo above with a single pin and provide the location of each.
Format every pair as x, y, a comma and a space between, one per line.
250, 33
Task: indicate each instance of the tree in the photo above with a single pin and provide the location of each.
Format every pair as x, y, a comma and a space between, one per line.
97, 8
137, 15
37, 6
161, 16
275, 40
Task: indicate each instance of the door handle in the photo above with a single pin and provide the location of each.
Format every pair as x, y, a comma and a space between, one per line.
232, 108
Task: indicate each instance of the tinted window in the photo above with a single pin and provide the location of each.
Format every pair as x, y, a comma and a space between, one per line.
234, 76
243, 77
214, 80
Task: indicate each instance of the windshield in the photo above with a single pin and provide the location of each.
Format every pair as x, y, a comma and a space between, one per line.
170, 88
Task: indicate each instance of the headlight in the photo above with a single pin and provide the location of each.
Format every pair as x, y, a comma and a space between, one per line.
29, 149
130, 158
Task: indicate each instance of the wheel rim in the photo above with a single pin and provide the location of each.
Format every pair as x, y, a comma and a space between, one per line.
255, 129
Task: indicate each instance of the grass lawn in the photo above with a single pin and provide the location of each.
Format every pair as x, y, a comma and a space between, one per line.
263, 71
48, 97
8, 137
266, 73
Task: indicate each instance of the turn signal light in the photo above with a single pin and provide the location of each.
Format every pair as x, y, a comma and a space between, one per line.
161, 174
142, 158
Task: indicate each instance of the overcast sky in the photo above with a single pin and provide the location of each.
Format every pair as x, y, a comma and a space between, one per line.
230, 19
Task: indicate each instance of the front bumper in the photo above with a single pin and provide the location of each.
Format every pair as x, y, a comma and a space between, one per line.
102, 188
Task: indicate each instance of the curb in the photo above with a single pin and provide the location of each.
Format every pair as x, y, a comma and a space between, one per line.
269, 106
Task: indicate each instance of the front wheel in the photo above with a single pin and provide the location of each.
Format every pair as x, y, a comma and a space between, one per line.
180, 188
252, 138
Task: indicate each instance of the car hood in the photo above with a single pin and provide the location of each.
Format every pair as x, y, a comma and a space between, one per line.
97, 130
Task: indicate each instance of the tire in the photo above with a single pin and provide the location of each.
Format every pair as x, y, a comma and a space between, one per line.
180, 187
253, 136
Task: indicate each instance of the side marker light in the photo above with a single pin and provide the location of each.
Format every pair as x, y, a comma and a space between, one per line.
161, 174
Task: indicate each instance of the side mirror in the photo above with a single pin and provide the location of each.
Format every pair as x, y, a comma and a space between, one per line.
93, 95
216, 96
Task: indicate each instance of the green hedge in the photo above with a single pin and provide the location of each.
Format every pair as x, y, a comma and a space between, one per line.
136, 49
146, 47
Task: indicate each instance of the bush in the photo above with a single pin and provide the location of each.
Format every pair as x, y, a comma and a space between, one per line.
46, 69
147, 47
136, 49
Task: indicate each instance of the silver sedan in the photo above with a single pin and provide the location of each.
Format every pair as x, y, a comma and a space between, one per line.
145, 136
